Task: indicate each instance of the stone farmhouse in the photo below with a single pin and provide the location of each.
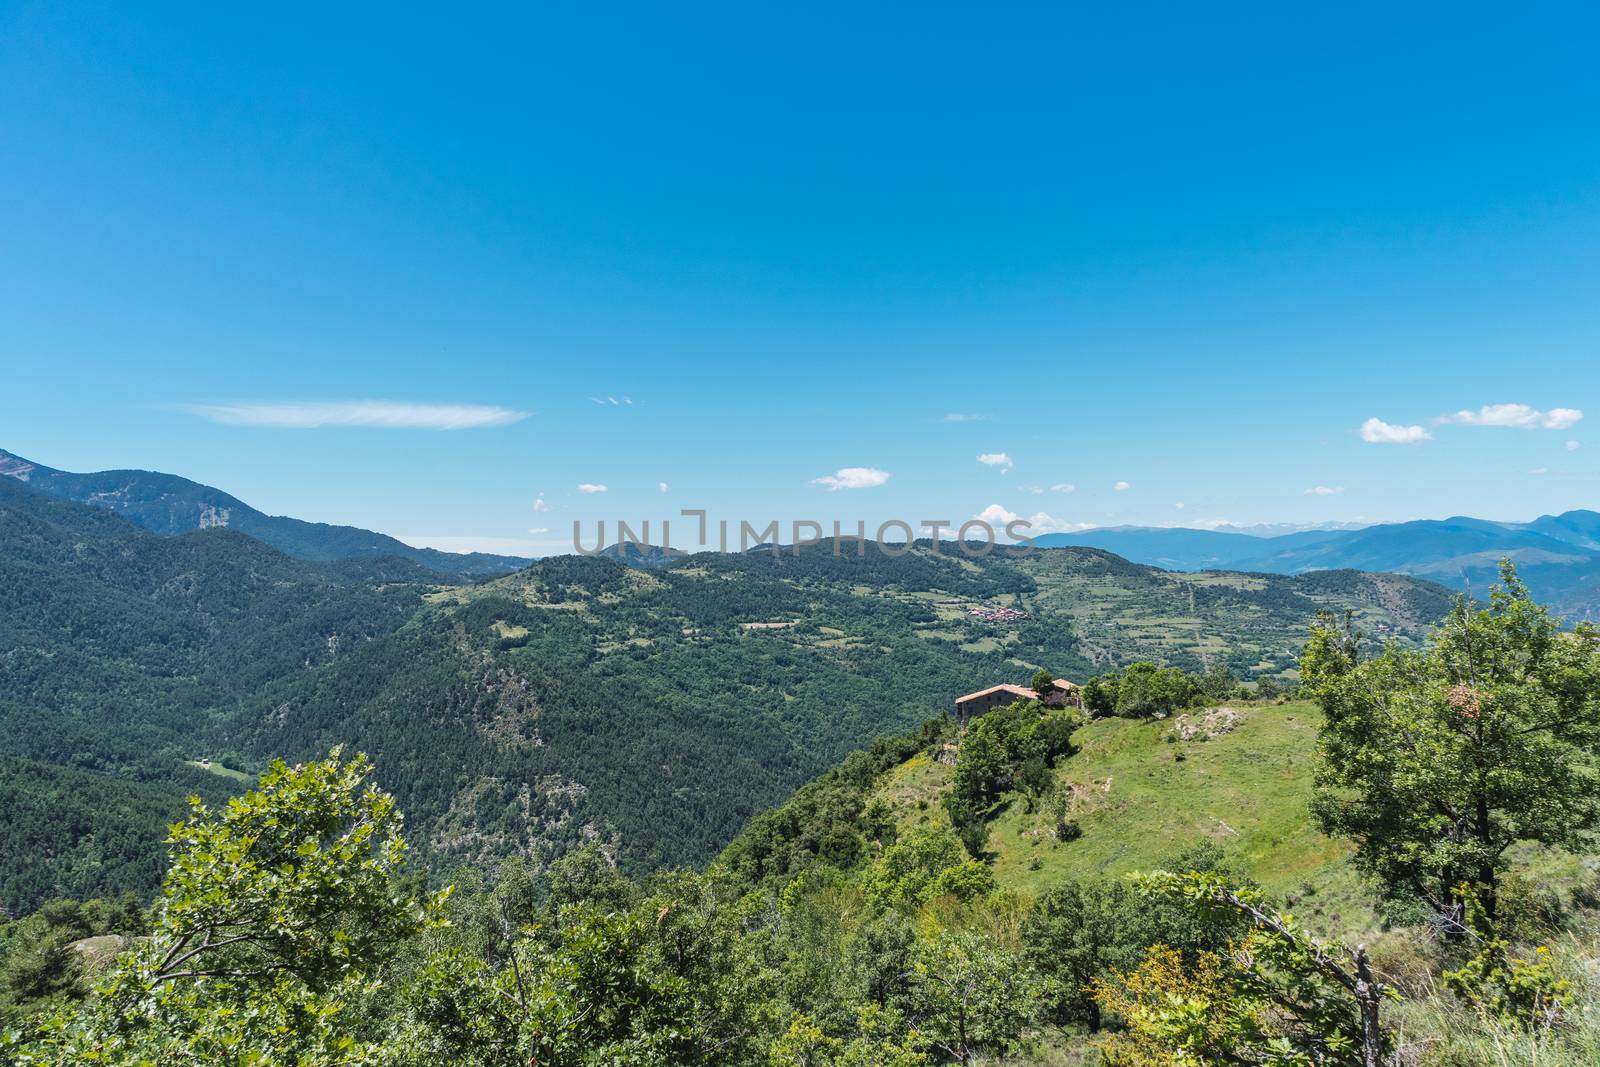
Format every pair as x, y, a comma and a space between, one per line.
969, 707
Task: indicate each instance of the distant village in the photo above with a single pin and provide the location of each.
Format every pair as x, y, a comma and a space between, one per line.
988, 614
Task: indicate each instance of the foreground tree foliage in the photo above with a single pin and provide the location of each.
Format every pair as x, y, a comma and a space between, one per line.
1436, 762
1276, 996
1502, 989
273, 919
1080, 931
288, 932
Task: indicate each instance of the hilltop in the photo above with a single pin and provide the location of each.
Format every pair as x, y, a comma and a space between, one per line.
1141, 791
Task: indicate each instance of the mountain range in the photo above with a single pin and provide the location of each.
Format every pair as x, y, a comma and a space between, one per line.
168, 504
1558, 556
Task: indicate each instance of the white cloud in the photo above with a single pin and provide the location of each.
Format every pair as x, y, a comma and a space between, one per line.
1325, 490
1034, 490
380, 413
1517, 416
1120, 486
995, 459
852, 478
1376, 431
954, 417
1573, 446
540, 505
540, 530
1179, 505
997, 516
663, 487
591, 487
1540, 470
1063, 487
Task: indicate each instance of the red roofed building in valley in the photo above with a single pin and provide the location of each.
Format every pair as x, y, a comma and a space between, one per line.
969, 707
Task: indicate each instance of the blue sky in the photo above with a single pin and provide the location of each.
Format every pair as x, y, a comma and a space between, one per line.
1190, 250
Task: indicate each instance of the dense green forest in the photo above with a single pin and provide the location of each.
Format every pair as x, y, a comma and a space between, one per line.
1462, 779
121, 651
578, 701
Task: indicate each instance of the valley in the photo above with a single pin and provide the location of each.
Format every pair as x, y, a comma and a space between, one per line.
576, 700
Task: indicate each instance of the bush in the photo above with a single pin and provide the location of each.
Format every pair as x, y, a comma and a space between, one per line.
1146, 690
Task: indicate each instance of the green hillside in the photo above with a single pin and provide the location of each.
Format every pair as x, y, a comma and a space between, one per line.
1141, 792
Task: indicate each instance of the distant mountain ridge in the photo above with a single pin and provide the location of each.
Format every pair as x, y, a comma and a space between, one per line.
1558, 556
169, 504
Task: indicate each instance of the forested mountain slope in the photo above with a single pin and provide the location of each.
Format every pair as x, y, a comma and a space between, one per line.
120, 650
168, 504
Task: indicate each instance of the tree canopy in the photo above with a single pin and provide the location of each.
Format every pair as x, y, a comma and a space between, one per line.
1436, 762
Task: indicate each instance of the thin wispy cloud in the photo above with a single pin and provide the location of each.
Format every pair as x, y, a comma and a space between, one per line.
1325, 490
610, 401
540, 505
852, 478
1573, 446
1515, 416
1122, 487
591, 487
381, 414
1376, 431
1540, 470
957, 417
996, 459
663, 487
1063, 487
1034, 490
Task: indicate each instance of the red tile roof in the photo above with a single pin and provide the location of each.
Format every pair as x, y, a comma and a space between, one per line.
1021, 691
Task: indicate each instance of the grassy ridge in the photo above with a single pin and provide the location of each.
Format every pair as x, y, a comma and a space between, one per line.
1139, 798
